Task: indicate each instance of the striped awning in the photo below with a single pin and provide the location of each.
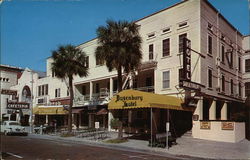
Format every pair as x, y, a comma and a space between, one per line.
132, 99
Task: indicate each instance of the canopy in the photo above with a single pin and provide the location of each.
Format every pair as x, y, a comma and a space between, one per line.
132, 99
49, 110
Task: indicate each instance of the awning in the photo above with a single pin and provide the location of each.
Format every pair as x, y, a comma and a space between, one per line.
102, 111
132, 99
49, 111
77, 110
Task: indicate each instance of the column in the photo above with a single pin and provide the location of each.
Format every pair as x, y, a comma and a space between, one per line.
111, 87
47, 119
224, 111
199, 109
110, 117
90, 90
212, 110
80, 119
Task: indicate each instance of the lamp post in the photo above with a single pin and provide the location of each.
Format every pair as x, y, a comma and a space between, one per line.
31, 104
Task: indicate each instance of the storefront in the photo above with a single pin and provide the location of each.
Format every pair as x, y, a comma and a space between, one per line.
148, 113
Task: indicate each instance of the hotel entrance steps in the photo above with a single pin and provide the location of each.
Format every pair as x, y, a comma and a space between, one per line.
188, 134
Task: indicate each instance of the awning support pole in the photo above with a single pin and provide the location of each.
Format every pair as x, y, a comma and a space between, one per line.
151, 127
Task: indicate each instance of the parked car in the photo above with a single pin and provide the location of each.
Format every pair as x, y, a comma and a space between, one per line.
13, 128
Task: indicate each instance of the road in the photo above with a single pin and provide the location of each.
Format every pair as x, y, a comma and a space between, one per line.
30, 148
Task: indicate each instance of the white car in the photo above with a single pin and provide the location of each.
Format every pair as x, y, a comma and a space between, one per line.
13, 128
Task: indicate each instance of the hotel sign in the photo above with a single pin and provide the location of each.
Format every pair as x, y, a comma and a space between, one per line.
186, 60
205, 125
18, 105
227, 125
129, 101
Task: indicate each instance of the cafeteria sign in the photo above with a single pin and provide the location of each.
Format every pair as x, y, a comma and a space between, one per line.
129, 101
18, 105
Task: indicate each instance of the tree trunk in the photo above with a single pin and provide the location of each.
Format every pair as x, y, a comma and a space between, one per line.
120, 129
70, 104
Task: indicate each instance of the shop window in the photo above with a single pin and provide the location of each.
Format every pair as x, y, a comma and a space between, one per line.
151, 51
223, 83
247, 65
210, 43
166, 79
210, 78
247, 89
181, 39
139, 114
165, 47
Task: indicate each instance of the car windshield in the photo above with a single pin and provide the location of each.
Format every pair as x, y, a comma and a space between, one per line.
13, 123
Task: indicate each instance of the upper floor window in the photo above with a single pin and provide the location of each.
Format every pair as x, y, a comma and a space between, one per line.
165, 47
210, 26
43, 90
232, 86
86, 64
223, 83
67, 92
210, 78
182, 24
210, 43
223, 53
181, 40
247, 65
98, 62
239, 86
247, 89
231, 59
166, 30
239, 64
151, 35
166, 79
151, 51
57, 92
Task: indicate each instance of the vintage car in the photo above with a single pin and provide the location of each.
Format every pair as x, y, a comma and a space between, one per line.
13, 128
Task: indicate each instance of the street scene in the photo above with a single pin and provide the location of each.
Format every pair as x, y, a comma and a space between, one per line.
90, 80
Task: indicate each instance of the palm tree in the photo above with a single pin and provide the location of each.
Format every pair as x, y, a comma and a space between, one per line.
69, 61
119, 47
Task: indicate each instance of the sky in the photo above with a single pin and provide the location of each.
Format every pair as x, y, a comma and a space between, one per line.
31, 29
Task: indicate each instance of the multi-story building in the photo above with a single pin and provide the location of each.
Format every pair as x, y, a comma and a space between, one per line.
8, 78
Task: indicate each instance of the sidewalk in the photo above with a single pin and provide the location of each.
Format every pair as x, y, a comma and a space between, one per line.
186, 147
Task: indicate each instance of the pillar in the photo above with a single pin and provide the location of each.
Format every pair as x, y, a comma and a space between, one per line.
212, 111
90, 90
47, 119
199, 109
224, 111
111, 87
110, 117
80, 119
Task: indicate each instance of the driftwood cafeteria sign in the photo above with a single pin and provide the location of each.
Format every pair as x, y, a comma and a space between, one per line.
18, 105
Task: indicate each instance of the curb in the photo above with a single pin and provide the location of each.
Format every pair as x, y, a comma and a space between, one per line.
119, 147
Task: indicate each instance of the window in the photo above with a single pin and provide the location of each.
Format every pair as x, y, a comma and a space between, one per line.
86, 64
166, 79
166, 30
247, 89
210, 44
223, 38
46, 89
57, 92
83, 90
115, 83
232, 86
223, 83
247, 65
231, 60
239, 64
182, 24
181, 39
210, 78
151, 51
165, 47
151, 35
239, 86
97, 88
149, 81
39, 90
53, 74
98, 62
181, 74
67, 92
43, 90
223, 53
209, 26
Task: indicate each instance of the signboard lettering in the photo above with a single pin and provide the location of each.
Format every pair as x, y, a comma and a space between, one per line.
129, 101
187, 59
18, 105
205, 125
227, 125
8, 92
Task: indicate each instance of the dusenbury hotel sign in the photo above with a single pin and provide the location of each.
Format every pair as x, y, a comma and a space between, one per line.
129, 101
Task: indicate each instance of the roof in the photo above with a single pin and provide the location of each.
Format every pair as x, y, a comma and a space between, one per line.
10, 68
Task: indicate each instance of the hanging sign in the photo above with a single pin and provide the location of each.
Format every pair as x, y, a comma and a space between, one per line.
18, 105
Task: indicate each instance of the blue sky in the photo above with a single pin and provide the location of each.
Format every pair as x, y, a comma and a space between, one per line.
31, 29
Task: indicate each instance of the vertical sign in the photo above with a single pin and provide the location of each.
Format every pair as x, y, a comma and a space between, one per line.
186, 60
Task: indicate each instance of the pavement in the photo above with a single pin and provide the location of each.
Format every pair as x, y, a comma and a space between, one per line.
187, 147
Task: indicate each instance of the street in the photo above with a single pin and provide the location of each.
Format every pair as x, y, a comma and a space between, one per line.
30, 148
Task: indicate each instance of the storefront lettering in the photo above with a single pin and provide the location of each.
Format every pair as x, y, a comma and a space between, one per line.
132, 100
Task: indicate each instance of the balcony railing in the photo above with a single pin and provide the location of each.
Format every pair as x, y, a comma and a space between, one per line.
146, 89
